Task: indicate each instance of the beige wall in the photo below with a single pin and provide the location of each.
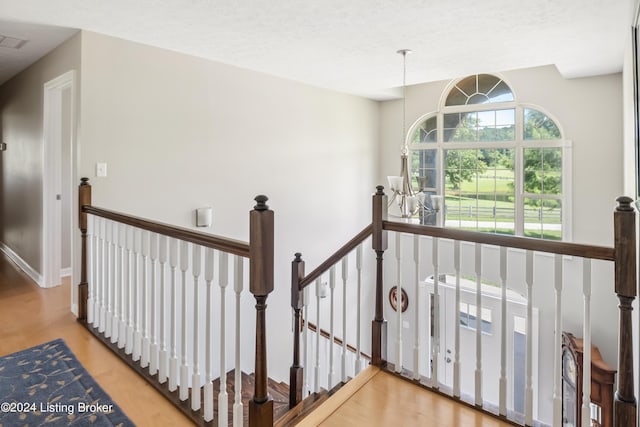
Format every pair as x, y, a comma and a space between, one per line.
179, 133
21, 102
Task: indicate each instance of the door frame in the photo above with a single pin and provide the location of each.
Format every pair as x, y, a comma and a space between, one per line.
51, 175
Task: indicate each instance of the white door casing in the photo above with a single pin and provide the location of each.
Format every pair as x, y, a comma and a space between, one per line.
52, 173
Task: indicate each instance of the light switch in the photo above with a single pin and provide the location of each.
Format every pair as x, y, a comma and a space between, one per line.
101, 170
204, 217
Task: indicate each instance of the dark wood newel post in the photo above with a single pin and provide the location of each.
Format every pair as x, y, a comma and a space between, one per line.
379, 244
625, 287
296, 372
84, 199
261, 285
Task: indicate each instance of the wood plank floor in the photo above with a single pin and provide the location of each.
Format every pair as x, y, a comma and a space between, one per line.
382, 399
30, 315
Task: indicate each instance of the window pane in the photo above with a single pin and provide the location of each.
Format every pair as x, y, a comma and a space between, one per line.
501, 93
456, 97
423, 167
538, 126
483, 126
543, 218
426, 132
480, 190
543, 170
486, 118
461, 127
479, 89
486, 83
506, 117
478, 98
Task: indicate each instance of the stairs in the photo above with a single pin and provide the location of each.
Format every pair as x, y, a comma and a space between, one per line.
279, 392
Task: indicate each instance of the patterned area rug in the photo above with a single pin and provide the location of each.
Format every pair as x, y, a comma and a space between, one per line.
47, 386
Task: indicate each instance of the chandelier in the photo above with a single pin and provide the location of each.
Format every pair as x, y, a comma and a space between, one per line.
409, 202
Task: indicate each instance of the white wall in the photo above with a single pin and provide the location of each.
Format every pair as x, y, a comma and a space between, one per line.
21, 109
179, 132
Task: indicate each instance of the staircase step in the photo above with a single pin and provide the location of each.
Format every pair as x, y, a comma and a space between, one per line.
302, 409
318, 406
279, 392
337, 397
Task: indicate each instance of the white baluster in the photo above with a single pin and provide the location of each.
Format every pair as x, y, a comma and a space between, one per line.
196, 269
528, 413
435, 348
208, 387
184, 367
135, 330
223, 402
586, 340
416, 326
359, 360
164, 353
503, 333
557, 360
238, 283
102, 274
173, 361
109, 277
332, 287
146, 301
305, 341
116, 282
398, 367
316, 382
345, 277
153, 321
456, 350
124, 284
130, 289
90, 265
478, 372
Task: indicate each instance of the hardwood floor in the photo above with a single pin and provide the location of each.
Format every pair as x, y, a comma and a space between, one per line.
30, 315
377, 398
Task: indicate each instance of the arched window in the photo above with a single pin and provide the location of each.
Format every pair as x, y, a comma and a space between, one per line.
498, 163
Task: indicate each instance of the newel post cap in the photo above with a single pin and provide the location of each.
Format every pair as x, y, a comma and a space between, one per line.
261, 204
624, 204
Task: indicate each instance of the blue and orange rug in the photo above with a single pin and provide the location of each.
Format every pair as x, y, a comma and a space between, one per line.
47, 385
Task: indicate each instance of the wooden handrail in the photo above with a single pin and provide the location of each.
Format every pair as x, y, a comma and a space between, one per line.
337, 256
517, 242
224, 244
336, 340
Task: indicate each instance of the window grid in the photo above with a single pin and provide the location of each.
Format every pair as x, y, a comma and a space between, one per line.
520, 133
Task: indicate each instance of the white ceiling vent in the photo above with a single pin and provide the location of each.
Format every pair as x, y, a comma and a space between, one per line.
11, 42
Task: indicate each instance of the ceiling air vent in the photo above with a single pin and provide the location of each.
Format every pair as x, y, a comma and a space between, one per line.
11, 42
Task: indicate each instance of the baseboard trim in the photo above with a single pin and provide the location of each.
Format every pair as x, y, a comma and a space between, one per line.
66, 272
22, 264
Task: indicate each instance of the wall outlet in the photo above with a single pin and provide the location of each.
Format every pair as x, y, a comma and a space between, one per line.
101, 170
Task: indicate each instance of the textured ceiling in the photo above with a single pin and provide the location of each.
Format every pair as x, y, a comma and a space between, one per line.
350, 45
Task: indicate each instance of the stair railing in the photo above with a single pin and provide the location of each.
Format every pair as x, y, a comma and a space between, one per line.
311, 342
443, 242
141, 293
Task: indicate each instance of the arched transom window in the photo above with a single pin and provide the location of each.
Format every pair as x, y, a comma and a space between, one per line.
498, 163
